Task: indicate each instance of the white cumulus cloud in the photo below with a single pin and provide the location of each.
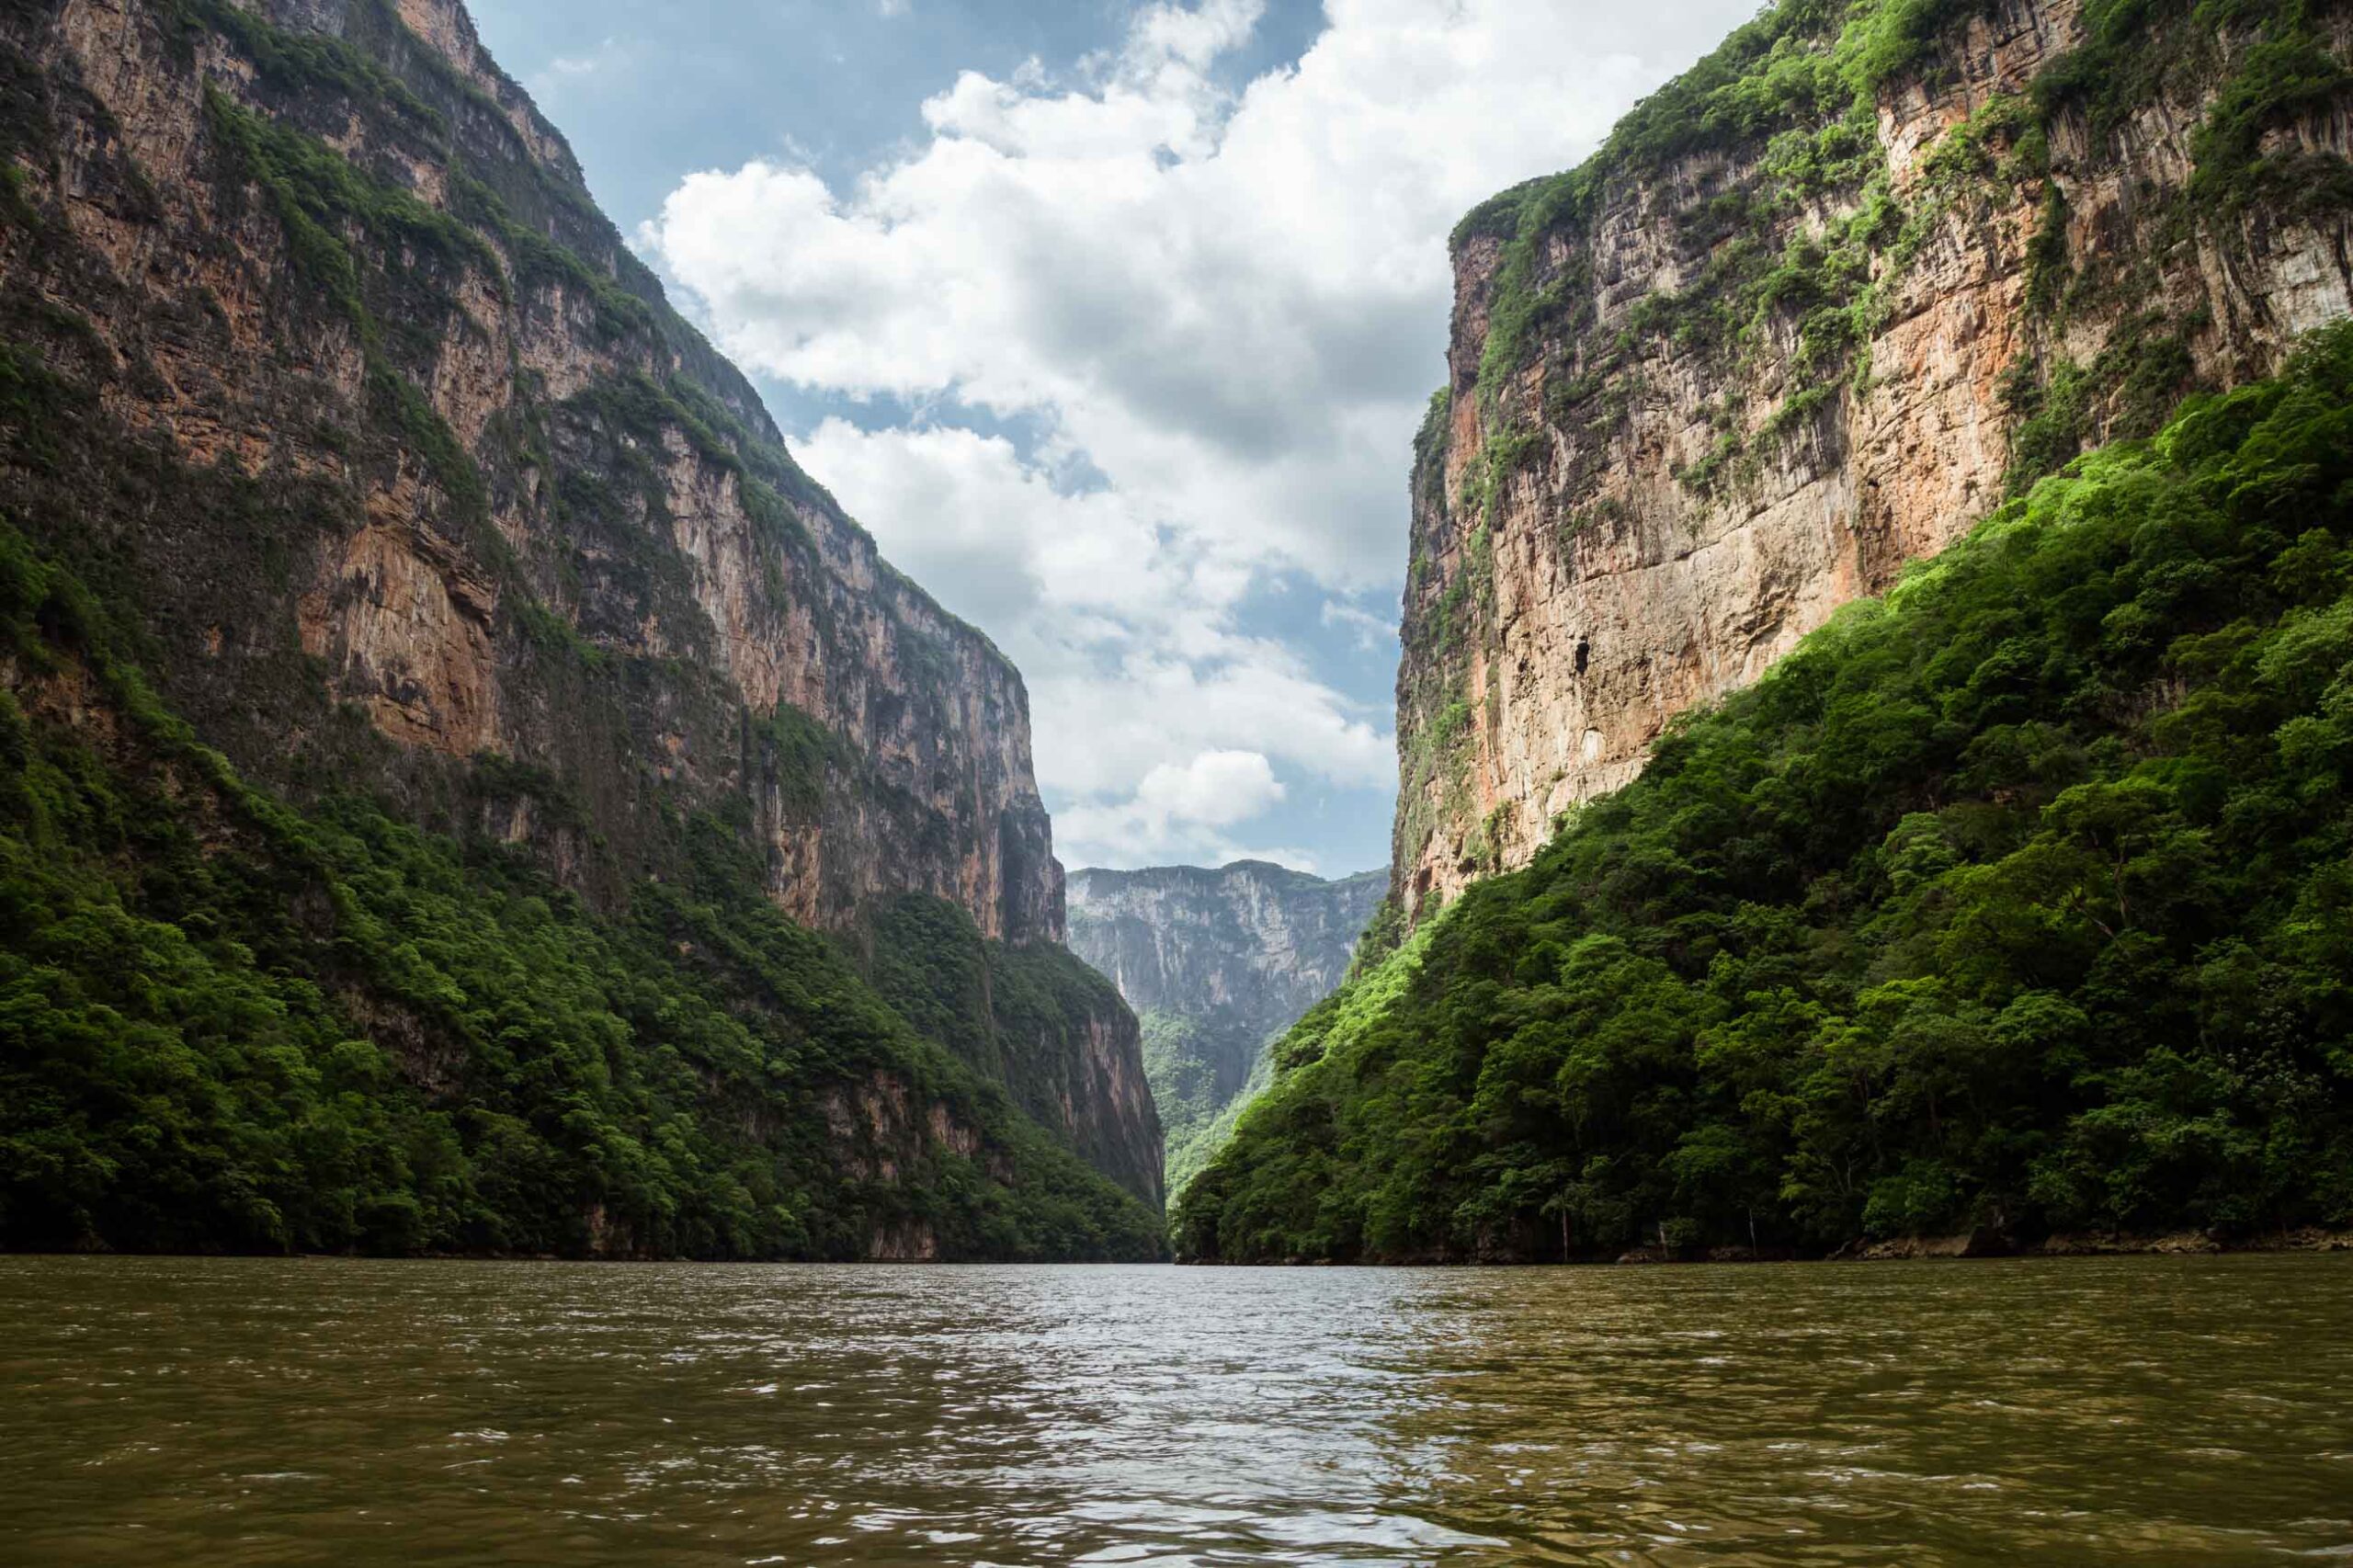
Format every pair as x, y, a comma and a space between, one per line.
1184, 813
1124, 634
1224, 311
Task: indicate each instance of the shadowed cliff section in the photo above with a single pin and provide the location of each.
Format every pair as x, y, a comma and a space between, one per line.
393, 479
1049, 1028
1217, 964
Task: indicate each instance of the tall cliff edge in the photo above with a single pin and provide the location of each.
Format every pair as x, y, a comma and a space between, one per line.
1813, 309
398, 477
569, 537
1217, 964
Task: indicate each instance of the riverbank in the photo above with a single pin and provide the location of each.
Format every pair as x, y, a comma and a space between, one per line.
2309, 1238
1893, 1249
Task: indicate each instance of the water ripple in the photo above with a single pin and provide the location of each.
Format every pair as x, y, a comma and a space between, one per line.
2141, 1410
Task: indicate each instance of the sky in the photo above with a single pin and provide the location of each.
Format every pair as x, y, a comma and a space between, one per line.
1113, 323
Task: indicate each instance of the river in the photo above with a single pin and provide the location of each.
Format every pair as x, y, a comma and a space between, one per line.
244, 1410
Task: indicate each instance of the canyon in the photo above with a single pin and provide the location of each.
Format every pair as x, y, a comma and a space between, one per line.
1217, 964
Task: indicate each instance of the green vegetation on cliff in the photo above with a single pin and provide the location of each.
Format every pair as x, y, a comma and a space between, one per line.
228, 1024
1796, 92
1783, 238
389, 859
2022, 899
1023, 1014
1184, 1090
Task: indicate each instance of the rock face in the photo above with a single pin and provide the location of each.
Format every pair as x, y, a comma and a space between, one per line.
1217, 964
534, 563
1814, 309
281, 231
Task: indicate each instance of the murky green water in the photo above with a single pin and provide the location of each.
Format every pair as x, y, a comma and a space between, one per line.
2146, 1410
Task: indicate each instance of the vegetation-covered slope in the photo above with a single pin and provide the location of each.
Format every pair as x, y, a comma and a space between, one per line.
2022, 899
1815, 307
1032, 1017
225, 1023
450, 716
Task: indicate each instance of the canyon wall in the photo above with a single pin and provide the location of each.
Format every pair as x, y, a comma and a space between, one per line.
579, 546
416, 487
1217, 964
1813, 310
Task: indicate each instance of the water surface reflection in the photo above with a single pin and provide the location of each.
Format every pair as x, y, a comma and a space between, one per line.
252, 1412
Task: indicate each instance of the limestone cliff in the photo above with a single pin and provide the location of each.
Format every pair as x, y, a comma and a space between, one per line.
415, 486
1813, 309
580, 545
1217, 964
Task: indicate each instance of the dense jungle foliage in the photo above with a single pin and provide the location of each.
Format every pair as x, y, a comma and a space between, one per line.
1184, 1090
1019, 1014
2021, 900
228, 1024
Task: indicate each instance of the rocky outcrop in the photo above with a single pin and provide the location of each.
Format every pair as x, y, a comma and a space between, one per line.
1218, 964
416, 486
1814, 309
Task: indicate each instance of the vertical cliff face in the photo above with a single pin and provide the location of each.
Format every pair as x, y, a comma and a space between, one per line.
1814, 308
1217, 964
329, 243
322, 371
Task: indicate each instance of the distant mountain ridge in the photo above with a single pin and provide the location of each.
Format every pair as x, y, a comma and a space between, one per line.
1216, 963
